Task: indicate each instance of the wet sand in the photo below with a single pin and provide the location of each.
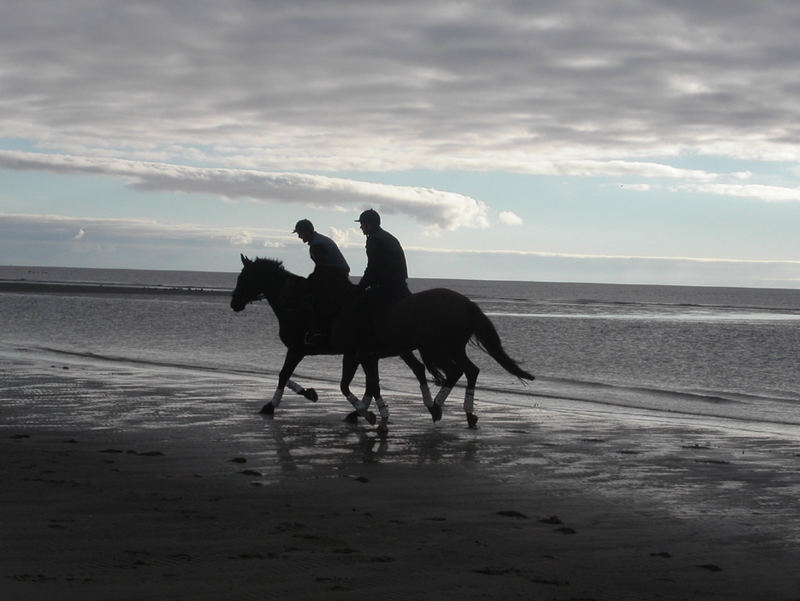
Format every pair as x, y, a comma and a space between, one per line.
125, 482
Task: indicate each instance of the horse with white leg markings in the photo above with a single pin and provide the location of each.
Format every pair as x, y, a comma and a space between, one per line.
283, 290
439, 323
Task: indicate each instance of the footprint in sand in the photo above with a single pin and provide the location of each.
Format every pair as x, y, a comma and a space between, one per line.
553, 519
496, 571
510, 513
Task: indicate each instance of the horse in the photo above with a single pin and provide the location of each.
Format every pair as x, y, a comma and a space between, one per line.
438, 323
285, 292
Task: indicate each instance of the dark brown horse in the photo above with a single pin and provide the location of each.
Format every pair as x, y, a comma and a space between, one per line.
286, 292
439, 323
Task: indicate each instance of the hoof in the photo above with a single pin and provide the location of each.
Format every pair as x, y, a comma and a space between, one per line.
352, 417
436, 412
472, 420
268, 409
311, 395
383, 427
371, 418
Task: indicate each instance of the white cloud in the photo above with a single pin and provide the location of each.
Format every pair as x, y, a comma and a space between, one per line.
612, 168
510, 218
345, 237
761, 192
241, 239
445, 210
586, 256
636, 187
59, 228
378, 86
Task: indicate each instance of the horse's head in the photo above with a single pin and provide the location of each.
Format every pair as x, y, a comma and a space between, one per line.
255, 281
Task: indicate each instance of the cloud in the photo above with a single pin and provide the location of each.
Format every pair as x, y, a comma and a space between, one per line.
606, 168
381, 86
510, 218
52, 239
561, 255
345, 237
761, 192
57, 228
569, 267
434, 208
242, 238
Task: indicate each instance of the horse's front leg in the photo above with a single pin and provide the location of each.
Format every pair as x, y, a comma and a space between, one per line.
349, 366
290, 363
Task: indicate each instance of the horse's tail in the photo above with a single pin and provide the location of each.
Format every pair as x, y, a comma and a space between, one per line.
487, 338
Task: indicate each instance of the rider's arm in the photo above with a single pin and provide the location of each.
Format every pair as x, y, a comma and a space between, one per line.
374, 258
318, 254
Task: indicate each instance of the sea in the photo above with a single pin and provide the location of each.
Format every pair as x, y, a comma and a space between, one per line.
725, 355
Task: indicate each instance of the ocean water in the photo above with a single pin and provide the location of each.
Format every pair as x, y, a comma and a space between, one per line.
729, 355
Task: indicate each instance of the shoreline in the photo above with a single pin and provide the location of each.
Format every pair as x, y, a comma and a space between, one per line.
187, 494
36, 287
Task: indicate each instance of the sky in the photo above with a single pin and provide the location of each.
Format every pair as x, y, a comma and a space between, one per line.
633, 141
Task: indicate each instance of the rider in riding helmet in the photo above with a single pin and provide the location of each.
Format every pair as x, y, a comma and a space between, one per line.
384, 279
325, 253
386, 273
323, 250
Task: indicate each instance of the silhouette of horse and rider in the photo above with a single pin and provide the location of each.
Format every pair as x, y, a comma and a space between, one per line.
327, 314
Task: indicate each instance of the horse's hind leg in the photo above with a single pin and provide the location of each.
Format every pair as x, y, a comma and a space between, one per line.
471, 371
349, 366
419, 372
453, 370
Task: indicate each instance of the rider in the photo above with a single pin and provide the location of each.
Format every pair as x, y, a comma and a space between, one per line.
322, 249
384, 279
386, 273
325, 253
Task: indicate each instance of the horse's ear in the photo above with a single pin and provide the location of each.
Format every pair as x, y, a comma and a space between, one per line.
245, 260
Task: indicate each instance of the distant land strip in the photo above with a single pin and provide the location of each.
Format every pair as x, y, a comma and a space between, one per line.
29, 286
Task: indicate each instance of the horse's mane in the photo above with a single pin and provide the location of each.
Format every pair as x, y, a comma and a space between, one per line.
268, 263
268, 267
329, 278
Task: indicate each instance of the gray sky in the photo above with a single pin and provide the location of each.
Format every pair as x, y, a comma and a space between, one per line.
607, 134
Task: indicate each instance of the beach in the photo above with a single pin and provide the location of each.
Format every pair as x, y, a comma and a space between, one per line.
131, 482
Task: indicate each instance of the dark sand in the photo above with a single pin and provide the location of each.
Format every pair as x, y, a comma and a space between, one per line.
117, 483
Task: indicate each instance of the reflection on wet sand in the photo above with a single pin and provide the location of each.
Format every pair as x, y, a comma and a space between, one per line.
686, 468
324, 443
